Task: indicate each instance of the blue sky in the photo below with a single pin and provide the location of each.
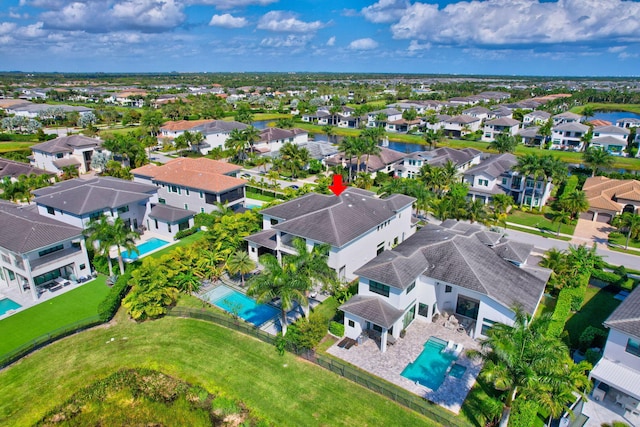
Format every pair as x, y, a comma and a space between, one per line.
506, 37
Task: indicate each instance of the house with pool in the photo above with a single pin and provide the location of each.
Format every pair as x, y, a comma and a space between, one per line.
450, 271
37, 251
78, 201
356, 224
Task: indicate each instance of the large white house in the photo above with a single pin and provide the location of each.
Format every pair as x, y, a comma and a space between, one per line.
356, 224
272, 139
611, 138
194, 184
617, 373
461, 125
493, 128
568, 136
215, 132
413, 162
56, 154
452, 269
36, 250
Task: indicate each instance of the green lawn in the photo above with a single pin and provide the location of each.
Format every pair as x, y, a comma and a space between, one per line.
598, 305
599, 106
284, 389
8, 146
622, 241
47, 316
540, 221
182, 242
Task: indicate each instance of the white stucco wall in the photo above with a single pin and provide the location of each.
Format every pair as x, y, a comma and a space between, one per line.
615, 349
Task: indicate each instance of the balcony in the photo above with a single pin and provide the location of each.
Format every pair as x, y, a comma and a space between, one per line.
53, 258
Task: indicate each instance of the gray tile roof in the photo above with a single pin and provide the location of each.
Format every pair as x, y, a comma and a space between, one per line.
373, 309
23, 230
219, 126
463, 119
66, 144
616, 130
608, 140
494, 166
14, 169
571, 127
336, 220
319, 150
626, 318
170, 214
83, 196
503, 121
456, 255
266, 238
476, 110
441, 155
513, 251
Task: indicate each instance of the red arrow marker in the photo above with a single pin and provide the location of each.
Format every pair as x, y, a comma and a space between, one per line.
337, 187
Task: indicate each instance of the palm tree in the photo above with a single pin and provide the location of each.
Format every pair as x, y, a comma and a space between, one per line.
477, 211
521, 360
501, 202
561, 217
278, 281
630, 222
433, 137
575, 202
123, 238
187, 282
251, 136
69, 172
529, 166
236, 143
504, 143
312, 265
597, 157
350, 147
369, 143
99, 236
240, 263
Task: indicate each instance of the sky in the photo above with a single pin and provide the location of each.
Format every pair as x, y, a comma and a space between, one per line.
497, 37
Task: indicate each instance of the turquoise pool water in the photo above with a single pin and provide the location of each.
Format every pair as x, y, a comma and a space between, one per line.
231, 300
457, 371
144, 248
430, 368
7, 304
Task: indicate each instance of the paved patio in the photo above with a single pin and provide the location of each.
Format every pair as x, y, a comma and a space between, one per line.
607, 411
390, 364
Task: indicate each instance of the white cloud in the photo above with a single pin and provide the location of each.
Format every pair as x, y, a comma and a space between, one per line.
229, 4
363, 44
416, 46
289, 41
227, 21
331, 41
287, 22
7, 27
150, 13
520, 22
616, 49
385, 11
32, 31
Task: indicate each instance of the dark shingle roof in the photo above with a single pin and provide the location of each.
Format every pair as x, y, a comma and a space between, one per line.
23, 230
513, 251
626, 318
170, 214
14, 169
266, 238
456, 255
66, 144
373, 309
79, 196
494, 166
336, 220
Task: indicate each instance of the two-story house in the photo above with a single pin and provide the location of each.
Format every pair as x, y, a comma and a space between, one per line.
413, 162
617, 373
478, 112
461, 125
272, 139
536, 117
566, 117
384, 162
613, 139
628, 123
493, 128
357, 225
215, 132
451, 269
36, 250
568, 136
194, 184
380, 118
56, 154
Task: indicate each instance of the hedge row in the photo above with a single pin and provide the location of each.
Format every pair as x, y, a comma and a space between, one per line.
110, 304
607, 277
184, 233
524, 413
570, 185
569, 299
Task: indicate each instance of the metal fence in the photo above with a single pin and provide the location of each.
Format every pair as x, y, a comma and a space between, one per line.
363, 378
39, 342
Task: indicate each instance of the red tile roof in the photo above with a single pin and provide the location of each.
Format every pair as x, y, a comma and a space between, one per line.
183, 124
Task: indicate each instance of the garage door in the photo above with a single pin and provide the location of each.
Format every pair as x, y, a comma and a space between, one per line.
603, 217
587, 215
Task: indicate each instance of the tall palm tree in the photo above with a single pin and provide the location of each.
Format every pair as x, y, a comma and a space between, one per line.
210, 264
240, 263
278, 281
123, 238
187, 282
350, 147
99, 236
477, 211
369, 144
630, 222
504, 143
313, 265
236, 143
521, 361
529, 165
596, 158
575, 202
561, 217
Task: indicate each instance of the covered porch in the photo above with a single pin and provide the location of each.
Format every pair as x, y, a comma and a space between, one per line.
617, 382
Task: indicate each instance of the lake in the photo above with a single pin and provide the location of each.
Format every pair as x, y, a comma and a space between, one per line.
614, 116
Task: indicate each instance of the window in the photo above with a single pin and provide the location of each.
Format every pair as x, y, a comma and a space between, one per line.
411, 287
186, 207
94, 216
183, 225
633, 347
486, 325
123, 209
201, 210
173, 189
273, 221
59, 155
169, 228
82, 266
155, 221
467, 307
187, 191
380, 248
504, 181
352, 324
162, 201
378, 288
50, 250
201, 195
447, 289
50, 211
483, 182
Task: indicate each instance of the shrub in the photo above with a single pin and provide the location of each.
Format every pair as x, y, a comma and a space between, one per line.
592, 356
336, 328
590, 337
615, 235
184, 233
524, 413
305, 335
110, 304
100, 264
606, 276
561, 313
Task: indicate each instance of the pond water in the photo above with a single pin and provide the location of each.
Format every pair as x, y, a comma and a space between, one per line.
614, 116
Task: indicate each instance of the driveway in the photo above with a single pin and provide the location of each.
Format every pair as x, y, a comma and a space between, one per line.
593, 231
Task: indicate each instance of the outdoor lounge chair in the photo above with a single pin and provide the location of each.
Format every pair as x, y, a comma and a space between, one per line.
450, 346
458, 350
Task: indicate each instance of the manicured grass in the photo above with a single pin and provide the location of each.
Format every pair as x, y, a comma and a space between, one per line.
75, 305
538, 233
622, 241
599, 106
8, 146
597, 306
258, 196
283, 389
540, 221
189, 240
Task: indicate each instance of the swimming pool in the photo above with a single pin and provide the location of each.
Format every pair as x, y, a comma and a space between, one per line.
247, 309
430, 368
144, 248
7, 304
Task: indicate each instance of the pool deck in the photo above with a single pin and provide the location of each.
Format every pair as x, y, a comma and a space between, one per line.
148, 235
390, 364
